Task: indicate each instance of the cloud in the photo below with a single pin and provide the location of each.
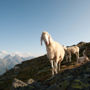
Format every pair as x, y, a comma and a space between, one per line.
4, 52
25, 54
21, 54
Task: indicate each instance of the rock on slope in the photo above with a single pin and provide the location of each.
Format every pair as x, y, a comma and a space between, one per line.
35, 74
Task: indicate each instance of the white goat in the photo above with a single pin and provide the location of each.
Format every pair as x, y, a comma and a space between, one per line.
55, 52
83, 58
71, 50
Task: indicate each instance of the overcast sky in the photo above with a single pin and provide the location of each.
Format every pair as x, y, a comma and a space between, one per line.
22, 22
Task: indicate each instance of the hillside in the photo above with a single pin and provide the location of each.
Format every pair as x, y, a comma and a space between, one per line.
35, 74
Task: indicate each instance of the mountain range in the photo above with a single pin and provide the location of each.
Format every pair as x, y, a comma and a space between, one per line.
9, 60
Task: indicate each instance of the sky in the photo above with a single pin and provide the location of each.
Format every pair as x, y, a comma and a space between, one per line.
23, 21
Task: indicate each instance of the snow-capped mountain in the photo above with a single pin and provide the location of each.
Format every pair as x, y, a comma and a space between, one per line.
9, 60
